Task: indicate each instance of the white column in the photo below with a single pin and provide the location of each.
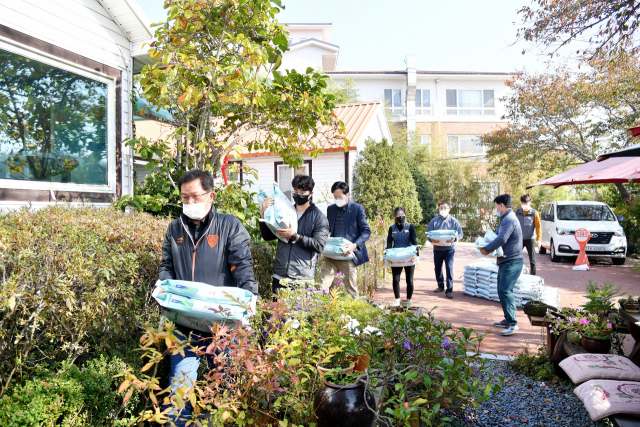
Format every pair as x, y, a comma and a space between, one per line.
410, 60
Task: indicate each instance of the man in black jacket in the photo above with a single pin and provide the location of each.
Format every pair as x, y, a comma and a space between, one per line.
297, 258
202, 246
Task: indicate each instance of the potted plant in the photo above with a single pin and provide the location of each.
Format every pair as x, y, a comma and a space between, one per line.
405, 303
632, 305
537, 308
344, 401
600, 298
566, 321
596, 334
622, 302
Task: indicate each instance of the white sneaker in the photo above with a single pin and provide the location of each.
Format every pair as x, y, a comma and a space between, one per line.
509, 330
396, 304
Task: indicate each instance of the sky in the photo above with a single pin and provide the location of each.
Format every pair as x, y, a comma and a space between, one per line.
444, 35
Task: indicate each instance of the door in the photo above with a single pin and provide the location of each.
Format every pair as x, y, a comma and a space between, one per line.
285, 174
545, 223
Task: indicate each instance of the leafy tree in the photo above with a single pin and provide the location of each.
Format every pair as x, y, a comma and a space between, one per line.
608, 25
425, 196
631, 212
563, 118
345, 93
216, 70
382, 181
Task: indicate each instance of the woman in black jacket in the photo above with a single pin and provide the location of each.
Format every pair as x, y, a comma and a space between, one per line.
401, 235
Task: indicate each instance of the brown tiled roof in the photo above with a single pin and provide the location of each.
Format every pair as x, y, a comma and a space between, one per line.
355, 117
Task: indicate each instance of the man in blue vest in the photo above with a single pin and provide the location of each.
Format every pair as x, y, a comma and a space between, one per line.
531, 229
443, 251
346, 219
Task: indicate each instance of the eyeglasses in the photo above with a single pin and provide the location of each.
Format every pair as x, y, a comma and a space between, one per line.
188, 199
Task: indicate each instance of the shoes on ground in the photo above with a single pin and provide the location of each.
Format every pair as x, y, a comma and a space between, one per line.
503, 323
396, 303
449, 294
439, 290
509, 330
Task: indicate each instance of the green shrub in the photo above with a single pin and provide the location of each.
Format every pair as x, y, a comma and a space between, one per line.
538, 366
263, 254
74, 279
421, 234
70, 397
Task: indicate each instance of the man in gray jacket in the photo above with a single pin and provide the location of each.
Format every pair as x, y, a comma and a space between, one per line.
510, 265
297, 258
443, 251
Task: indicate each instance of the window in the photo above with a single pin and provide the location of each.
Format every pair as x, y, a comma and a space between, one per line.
234, 171
284, 176
393, 99
464, 146
470, 102
585, 213
425, 140
423, 101
55, 130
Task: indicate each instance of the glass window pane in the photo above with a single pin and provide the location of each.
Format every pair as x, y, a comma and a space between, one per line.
452, 147
284, 180
418, 98
488, 99
426, 98
470, 112
470, 98
388, 98
425, 139
397, 101
452, 98
469, 146
53, 123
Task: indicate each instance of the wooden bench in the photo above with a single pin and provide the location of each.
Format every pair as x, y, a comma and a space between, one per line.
617, 420
552, 339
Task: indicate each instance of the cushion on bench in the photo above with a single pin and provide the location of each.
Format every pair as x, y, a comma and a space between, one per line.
603, 398
586, 366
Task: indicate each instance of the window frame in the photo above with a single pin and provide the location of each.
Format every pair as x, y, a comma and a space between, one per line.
422, 110
396, 110
484, 111
54, 61
459, 154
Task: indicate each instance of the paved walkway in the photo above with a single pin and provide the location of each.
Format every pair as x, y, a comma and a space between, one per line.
479, 313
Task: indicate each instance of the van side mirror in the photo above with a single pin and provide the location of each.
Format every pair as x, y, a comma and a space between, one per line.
548, 217
620, 218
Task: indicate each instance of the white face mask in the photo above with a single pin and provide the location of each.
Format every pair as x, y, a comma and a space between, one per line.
195, 211
526, 207
497, 212
340, 202
444, 213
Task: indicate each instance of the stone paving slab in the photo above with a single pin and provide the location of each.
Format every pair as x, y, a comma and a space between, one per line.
479, 313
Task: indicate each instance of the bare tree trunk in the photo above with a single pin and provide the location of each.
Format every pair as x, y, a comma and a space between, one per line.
624, 192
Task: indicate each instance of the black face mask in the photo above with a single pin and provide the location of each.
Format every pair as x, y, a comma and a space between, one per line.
301, 200
400, 220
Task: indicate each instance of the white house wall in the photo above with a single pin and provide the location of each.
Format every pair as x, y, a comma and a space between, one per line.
308, 56
83, 27
326, 169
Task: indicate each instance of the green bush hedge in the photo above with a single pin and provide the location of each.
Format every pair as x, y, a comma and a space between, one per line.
73, 281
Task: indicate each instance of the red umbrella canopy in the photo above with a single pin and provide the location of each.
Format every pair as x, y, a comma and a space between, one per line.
610, 171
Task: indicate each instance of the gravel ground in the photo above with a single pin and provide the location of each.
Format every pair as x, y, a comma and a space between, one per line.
525, 402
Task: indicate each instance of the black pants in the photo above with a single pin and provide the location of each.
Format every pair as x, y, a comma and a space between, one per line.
530, 244
408, 272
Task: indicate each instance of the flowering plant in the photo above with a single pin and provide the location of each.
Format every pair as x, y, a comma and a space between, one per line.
594, 327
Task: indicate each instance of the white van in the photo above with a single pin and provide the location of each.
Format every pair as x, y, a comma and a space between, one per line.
559, 220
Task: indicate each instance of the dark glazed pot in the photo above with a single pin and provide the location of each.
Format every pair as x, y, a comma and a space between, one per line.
595, 345
344, 406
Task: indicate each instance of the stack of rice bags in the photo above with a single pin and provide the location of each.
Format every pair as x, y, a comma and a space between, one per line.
481, 242
442, 236
282, 214
401, 257
480, 279
198, 305
336, 247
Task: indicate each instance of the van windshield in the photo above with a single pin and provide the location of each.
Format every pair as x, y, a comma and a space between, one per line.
585, 213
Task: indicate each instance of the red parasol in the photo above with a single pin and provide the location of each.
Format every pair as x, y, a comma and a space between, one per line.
610, 171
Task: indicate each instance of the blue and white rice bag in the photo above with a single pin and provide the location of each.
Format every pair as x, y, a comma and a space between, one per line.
282, 214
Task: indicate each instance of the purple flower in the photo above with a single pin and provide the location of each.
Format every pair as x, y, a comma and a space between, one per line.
609, 325
298, 307
583, 321
476, 370
446, 344
572, 319
407, 345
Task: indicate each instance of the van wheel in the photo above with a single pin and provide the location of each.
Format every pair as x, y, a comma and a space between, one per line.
618, 261
552, 253
542, 250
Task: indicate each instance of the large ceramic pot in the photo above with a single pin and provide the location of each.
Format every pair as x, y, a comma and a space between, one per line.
322, 371
595, 345
344, 406
536, 308
632, 308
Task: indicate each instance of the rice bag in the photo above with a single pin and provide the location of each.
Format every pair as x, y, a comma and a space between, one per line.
282, 214
201, 291
336, 247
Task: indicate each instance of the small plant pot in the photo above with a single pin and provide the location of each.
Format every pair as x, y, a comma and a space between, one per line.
536, 309
405, 304
322, 371
632, 308
596, 345
574, 338
413, 311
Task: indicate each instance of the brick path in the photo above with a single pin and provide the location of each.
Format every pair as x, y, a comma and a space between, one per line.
479, 314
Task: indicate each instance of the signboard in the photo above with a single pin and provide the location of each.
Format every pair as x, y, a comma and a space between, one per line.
582, 236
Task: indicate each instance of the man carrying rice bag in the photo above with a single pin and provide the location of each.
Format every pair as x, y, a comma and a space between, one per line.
443, 251
202, 246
